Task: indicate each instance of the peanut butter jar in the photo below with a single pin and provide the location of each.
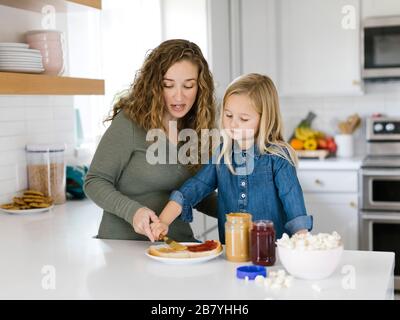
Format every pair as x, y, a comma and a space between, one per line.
237, 236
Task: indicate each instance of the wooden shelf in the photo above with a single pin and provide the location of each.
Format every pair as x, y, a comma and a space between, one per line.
37, 5
31, 84
89, 3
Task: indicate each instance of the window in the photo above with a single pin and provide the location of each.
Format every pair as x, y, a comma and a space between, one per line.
129, 29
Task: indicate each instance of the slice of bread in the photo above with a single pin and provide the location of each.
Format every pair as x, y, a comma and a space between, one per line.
167, 252
209, 248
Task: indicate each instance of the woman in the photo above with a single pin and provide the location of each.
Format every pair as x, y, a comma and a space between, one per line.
174, 84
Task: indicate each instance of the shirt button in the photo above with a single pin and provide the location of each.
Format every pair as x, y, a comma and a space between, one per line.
243, 195
243, 183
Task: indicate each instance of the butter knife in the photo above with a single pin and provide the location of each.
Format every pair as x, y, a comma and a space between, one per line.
173, 244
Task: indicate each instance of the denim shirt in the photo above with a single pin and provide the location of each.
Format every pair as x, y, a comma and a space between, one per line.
265, 185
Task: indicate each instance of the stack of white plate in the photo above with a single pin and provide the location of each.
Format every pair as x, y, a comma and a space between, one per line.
17, 57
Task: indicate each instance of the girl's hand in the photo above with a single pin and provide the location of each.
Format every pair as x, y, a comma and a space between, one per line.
159, 229
302, 231
141, 222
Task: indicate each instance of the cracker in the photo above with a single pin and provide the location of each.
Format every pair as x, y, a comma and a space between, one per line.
39, 205
34, 193
7, 206
32, 200
19, 201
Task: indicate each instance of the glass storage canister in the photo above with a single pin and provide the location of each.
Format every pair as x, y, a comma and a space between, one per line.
237, 236
262, 243
46, 170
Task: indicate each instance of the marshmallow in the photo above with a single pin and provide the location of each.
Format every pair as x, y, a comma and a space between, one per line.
278, 279
307, 241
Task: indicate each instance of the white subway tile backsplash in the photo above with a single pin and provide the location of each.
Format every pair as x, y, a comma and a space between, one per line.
12, 101
61, 101
64, 125
12, 128
39, 126
392, 106
9, 186
22, 176
16, 172
8, 172
31, 120
37, 101
11, 113
38, 113
64, 112
12, 156
12, 143
6, 198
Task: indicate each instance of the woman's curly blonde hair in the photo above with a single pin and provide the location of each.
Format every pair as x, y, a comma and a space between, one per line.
144, 103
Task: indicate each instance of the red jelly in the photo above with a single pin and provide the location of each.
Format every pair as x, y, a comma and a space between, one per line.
262, 243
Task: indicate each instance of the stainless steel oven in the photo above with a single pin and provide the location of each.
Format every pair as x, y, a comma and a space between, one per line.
379, 181
380, 189
380, 231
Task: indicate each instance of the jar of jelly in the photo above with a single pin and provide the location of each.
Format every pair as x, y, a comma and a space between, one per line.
237, 236
262, 242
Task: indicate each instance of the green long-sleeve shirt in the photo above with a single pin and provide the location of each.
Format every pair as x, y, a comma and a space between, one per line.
120, 181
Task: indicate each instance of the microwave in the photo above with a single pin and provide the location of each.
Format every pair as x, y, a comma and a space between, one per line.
380, 47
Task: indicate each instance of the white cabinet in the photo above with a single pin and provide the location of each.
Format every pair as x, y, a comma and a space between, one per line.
373, 8
318, 47
331, 197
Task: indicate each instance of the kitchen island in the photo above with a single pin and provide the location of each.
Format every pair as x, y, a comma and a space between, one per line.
55, 255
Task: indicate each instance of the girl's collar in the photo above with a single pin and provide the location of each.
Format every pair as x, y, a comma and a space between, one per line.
253, 151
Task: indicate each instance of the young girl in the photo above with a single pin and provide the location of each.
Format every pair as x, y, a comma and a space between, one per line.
259, 179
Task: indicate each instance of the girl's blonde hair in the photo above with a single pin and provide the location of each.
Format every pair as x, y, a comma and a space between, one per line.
263, 95
144, 104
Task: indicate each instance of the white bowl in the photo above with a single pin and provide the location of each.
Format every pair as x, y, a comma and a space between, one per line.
310, 264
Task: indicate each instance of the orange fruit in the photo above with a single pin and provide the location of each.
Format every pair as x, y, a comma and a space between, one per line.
296, 144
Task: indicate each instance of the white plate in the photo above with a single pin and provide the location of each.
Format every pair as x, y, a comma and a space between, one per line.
21, 55
27, 211
182, 260
28, 70
13, 45
18, 50
21, 65
21, 59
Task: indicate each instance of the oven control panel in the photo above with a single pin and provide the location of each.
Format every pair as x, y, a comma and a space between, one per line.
383, 129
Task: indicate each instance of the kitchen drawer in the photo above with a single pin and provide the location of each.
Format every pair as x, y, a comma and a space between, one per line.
328, 180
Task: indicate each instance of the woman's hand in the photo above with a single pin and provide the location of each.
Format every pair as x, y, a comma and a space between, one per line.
141, 222
159, 229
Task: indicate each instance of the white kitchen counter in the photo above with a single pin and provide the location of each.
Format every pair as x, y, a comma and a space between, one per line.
34, 247
331, 164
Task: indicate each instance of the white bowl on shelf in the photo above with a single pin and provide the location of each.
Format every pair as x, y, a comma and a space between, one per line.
310, 264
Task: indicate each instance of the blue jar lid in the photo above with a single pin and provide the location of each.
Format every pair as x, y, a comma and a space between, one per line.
251, 272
